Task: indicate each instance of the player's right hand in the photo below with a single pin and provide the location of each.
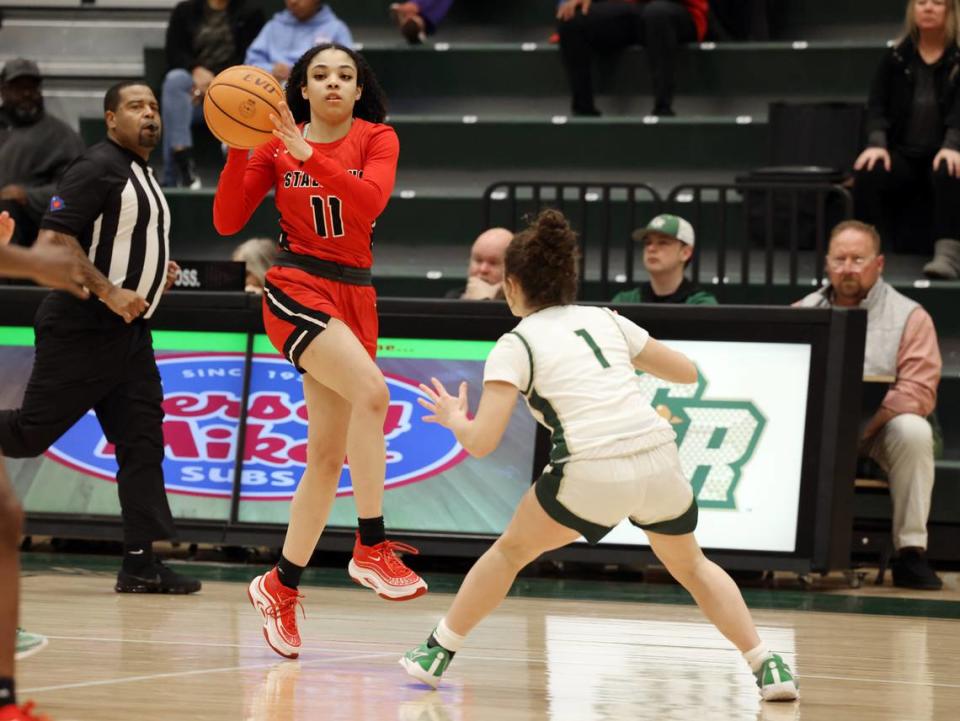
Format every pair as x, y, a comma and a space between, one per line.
125, 303
60, 268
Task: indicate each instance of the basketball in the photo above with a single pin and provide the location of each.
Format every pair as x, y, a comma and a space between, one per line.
238, 104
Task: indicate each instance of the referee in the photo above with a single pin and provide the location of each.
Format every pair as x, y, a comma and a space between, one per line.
99, 353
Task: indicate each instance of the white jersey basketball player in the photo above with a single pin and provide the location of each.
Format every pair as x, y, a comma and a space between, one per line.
612, 457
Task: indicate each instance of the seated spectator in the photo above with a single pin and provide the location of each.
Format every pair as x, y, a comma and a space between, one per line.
203, 38
258, 254
590, 28
901, 343
418, 19
485, 272
35, 149
914, 130
668, 246
291, 32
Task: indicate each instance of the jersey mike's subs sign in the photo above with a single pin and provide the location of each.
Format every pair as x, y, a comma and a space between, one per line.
202, 408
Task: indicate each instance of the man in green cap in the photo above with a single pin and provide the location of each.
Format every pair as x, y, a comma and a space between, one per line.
668, 243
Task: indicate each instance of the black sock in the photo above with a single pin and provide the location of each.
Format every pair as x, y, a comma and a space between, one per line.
371, 531
289, 572
432, 642
8, 696
137, 557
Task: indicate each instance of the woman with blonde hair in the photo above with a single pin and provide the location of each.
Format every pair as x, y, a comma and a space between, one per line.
913, 143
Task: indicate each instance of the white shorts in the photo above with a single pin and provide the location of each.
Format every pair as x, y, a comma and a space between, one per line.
593, 495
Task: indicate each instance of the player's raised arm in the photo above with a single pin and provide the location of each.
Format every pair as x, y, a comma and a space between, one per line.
481, 434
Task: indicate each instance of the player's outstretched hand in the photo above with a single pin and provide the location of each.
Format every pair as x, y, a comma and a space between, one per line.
446, 409
285, 128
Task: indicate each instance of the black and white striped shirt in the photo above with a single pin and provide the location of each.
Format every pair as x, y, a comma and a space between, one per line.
110, 202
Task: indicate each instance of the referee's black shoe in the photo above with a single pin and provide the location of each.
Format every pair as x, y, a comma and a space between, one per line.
157, 578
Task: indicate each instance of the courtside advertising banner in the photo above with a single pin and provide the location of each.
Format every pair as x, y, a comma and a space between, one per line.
431, 482
740, 433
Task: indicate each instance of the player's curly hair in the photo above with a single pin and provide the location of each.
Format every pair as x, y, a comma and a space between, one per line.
544, 259
372, 105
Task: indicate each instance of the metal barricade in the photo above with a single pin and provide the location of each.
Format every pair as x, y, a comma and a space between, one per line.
782, 209
604, 214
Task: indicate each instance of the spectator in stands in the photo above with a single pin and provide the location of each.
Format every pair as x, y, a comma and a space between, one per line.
203, 38
668, 246
901, 343
590, 28
291, 32
485, 272
258, 254
418, 19
35, 148
914, 129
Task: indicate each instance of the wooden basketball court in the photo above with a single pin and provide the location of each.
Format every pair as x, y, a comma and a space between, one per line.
164, 658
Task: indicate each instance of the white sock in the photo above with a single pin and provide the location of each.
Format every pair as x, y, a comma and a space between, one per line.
447, 638
755, 657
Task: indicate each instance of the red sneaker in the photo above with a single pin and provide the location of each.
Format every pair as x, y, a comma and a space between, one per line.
278, 606
23, 713
378, 567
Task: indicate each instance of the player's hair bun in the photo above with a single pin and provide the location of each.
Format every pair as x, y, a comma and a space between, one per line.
543, 258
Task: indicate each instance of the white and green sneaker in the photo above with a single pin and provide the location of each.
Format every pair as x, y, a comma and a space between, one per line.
28, 644
776, 681
425, 663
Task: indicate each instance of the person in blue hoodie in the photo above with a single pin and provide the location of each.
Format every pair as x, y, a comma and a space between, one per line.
291, 32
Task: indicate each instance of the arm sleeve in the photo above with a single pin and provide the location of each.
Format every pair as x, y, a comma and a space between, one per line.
259, 51
178, 43
636, 336
918, 368
243, 184
509, 362
370, 193
81, 194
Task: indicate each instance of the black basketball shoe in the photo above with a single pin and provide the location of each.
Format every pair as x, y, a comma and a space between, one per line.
157, 578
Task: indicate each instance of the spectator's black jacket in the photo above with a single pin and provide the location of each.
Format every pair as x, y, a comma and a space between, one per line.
891, 95
245, 24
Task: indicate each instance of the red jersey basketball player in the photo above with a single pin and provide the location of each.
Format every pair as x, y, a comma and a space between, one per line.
332, 165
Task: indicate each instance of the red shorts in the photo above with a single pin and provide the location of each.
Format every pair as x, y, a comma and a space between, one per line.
297, 307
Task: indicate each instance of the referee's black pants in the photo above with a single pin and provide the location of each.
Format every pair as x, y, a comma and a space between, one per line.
87, 357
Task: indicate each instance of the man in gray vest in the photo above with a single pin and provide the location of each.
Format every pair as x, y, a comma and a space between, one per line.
901, 343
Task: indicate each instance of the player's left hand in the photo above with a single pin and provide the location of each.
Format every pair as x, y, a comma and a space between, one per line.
285, 128
446, 409
172, 271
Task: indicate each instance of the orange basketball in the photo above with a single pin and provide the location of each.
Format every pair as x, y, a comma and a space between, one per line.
238, 105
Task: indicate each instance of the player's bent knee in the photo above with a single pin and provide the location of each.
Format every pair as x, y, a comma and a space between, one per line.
517, 553
325, 461
372, 396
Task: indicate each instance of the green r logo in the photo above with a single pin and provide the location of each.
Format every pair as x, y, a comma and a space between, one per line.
716, 438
